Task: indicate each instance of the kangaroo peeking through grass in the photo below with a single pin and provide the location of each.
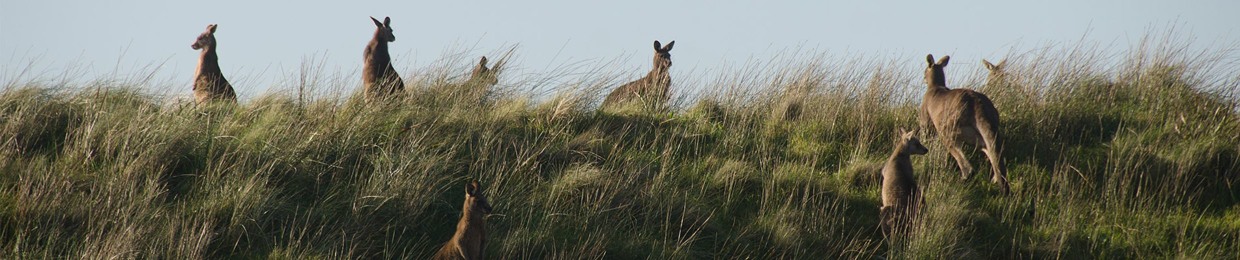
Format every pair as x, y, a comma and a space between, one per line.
484, 76
209, 83
478, 87
963, 116
378, 75
470, 239
997, 76
1005, 87
651, 89
901, 197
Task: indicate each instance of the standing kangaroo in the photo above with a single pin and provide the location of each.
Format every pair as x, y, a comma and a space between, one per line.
901, 197
470, 239
378, 76
651, 88
963, 116
209, 83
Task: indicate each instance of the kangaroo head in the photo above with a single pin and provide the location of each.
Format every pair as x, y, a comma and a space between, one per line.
384, 32
909, 143
663, 55
996, 70
474, 200
934, 71
206, 39
485, 75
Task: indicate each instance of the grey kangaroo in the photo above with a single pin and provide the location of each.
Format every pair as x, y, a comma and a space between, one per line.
963, 116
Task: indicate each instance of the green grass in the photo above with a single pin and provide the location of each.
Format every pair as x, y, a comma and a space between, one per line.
1132, 160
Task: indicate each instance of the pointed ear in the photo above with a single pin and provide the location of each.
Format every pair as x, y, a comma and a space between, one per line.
930, 60
657, 46
943, 61
482, 62
387, 21
211, 27
989, 66
1002, 64
377, 23
902, 132
669, 46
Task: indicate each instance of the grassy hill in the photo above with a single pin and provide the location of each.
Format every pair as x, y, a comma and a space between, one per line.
1134, 159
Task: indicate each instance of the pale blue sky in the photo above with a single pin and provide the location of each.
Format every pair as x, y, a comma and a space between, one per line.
261, 41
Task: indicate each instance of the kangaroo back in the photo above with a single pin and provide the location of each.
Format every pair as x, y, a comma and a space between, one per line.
962, 116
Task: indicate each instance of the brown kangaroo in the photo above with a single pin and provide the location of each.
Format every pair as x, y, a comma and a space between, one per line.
901, 197
470, 239
483, 76
997, 77
651, 88
478, 87
378, 76
963, 116
209, 83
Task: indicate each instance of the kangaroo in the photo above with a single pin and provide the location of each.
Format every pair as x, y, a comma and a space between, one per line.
470, 239
651, 88
901, 197
378, 76
963, 116
478, 87
997, 76
209, 82
483, 76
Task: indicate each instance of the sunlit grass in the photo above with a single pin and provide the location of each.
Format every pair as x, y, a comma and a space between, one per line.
781, 160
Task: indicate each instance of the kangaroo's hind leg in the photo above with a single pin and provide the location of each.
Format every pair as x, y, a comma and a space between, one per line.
994, 152
966, 168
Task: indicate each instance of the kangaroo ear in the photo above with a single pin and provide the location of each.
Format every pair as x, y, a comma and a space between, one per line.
989, 66
943, 60
669, 46
902, 132
387, 21
1002, 64
377, 23
482, 62
211, 27
930, 60
657, 46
